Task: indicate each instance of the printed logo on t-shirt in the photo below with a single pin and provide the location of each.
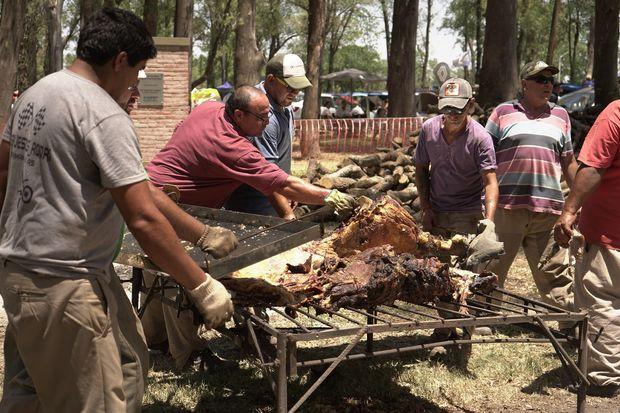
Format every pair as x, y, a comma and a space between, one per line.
24, 145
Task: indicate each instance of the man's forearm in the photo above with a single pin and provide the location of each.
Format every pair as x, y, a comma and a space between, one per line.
186, 227
569, 169
302, 191
423, 183
491, 194
587, 180
281, 205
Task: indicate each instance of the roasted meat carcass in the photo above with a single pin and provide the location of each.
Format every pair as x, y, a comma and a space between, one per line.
379, 256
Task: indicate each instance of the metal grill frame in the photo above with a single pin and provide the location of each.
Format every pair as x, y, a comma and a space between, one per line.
513, 309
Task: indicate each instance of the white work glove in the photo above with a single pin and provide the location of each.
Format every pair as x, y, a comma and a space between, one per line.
484, 246
212, 301
343, 204
217, 241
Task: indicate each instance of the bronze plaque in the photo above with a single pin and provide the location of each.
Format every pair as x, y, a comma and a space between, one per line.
152, 90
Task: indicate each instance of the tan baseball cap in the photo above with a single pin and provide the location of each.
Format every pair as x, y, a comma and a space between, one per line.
290, 67
531, 69
454, 92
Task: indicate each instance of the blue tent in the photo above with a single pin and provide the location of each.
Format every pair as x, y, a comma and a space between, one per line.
224, 86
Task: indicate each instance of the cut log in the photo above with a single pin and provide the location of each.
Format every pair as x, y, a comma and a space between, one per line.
349, 171
368, 160
330, 182
404, 160
406, 195
368, 182
389, 165
383, 186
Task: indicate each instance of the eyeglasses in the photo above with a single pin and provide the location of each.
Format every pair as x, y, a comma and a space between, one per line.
450, 110
288, 88
259, 117
543, 80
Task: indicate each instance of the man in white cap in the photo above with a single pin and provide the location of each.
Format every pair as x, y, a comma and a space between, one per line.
533, 144
285, 78
455, 166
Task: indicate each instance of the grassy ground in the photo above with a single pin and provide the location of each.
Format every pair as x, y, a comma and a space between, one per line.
498, 378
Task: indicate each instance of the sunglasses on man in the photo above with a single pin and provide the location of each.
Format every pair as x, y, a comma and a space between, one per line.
543, 80
259, 117
451, 110
288, 88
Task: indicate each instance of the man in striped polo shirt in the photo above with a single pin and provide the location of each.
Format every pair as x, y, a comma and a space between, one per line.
533, 149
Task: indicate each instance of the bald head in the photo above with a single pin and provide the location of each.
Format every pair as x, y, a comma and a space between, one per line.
248, 108
245, 98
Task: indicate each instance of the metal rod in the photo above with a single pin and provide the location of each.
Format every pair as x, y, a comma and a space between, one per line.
149, 296
329, 370
355, 310
477, 308
420, 313
282, 385
332, 312
395, 314
583, 364
515, 304
321, 211
497, 306
136, 283
307, 314
561, 350
401, 350
537, 302
268, 374
449, 311
291, 319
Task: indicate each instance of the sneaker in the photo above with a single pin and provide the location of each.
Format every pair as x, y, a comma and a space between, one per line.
610, 390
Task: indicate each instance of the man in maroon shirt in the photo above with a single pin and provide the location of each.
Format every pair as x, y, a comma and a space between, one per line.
208, 157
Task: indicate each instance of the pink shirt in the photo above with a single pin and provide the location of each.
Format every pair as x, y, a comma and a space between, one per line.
207, 158
600, 220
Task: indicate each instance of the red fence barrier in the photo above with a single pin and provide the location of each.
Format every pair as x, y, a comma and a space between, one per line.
355, 135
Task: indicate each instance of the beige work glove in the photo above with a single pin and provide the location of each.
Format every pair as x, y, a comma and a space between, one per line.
484, 246
212, 301
217, 241
343, 204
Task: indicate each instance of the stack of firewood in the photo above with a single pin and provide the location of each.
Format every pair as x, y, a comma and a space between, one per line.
389, 171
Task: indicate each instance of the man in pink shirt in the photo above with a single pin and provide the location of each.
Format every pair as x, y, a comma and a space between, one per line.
597, 268
208, 157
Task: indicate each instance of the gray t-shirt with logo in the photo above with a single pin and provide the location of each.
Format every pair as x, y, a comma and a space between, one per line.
70, 142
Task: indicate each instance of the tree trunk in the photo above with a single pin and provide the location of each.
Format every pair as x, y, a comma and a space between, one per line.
590, 64
54, 61
219, 36
11, 32
151, 15
386, 25
401, 66
87, 8
498, 77
111, 3
29, 47
478, 39
248, 59
606, 51
183, 14
429, 7
553, 33
573, 61
316, 36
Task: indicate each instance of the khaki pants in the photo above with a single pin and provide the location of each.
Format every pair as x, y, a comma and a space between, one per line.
597, 290
447, 224
533, 231
161, 323
71, 344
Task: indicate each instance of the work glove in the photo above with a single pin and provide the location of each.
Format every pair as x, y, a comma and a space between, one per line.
212, 301
217, 241
484, 246
343, 204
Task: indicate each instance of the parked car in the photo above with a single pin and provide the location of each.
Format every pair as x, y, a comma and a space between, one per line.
577, 101
298, 103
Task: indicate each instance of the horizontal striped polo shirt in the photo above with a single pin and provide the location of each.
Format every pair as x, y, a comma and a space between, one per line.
529, 153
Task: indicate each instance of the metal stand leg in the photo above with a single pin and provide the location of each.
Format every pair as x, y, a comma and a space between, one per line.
136, 284
583, 365
282, 384
369, 336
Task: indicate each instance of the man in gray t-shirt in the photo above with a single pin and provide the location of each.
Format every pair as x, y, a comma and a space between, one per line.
70, 174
